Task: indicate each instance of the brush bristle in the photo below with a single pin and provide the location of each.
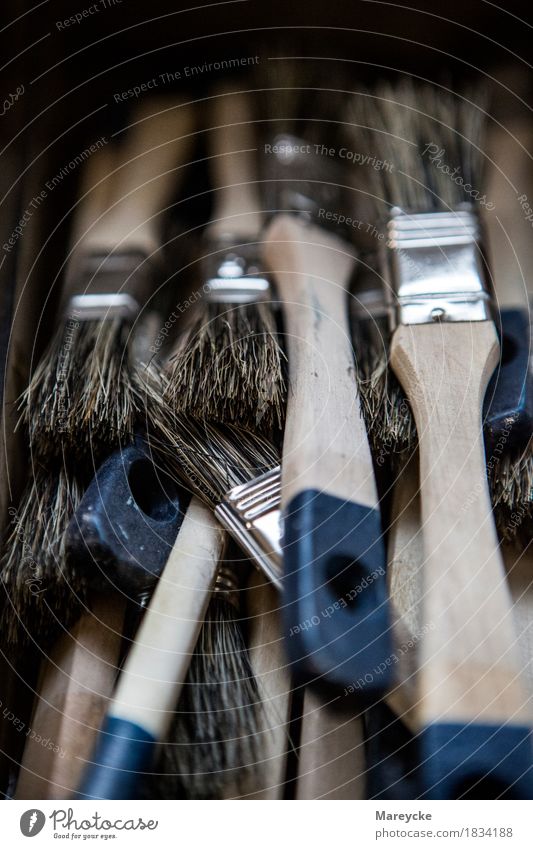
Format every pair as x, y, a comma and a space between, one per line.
211, 459
229, 367
80, 394
212, 744
389, 421
41, 597
512, 496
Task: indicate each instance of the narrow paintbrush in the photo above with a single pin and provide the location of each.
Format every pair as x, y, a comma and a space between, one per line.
473, 709
81, 387
228, 365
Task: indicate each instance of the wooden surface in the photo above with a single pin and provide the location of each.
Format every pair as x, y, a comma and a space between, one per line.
269, 664
233, 167
331, 754
325, 444
405, 565
77, 682
156, 668
469, 661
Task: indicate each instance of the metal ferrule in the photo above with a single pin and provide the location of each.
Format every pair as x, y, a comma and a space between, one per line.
434, 268
227, 582
101, 307
251, 514
234, 275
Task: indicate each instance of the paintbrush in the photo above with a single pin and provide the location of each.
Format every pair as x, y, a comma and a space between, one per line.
269, 664
332, 526
142, 709
473, 715
32, 565
228, 364
81, 387
32, 568
114, 256
234, 471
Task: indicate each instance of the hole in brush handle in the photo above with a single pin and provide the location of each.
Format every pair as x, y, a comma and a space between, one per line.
336, 615
124, 751
126, 523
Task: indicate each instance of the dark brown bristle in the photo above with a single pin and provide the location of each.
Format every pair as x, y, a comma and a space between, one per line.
213, 741
229, 367
40, 597
210, 458
81, 389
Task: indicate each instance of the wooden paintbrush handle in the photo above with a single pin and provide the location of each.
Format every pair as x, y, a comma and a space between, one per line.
331, 762
94, 195
77, 682
325, 445
232, 148
472, 703
270, 669
333, 548
154, 151
149, 687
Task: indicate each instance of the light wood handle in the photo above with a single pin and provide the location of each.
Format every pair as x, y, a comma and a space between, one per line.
331, 754
156, 668
469, 665
232, 148
270, 668
325, 445
152, 155
95, 193
77, 682
405, 564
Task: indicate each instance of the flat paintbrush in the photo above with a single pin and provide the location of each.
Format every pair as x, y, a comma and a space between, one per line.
473, 709
81, 387
140, 715
228, 363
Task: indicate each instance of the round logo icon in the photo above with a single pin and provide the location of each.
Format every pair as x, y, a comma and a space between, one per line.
32, 822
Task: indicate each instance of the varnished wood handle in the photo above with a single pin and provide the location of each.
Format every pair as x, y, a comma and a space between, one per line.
149, 687
77, 683
470, 689
332, 544
232, 150
152, 155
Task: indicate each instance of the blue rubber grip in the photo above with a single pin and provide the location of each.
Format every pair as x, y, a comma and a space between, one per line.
124, 751
476, 761
336, 614
508, 406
